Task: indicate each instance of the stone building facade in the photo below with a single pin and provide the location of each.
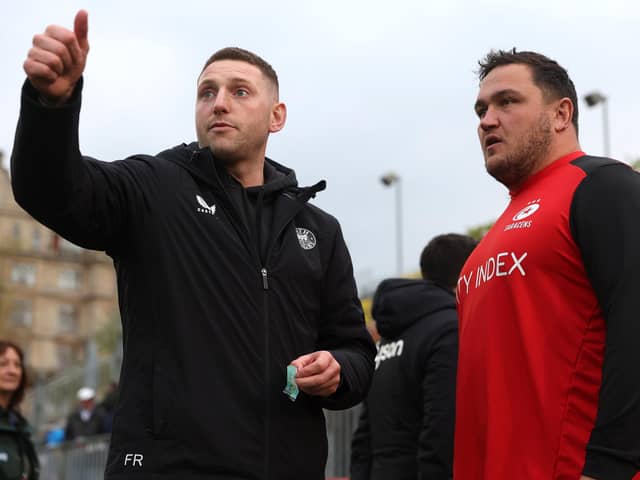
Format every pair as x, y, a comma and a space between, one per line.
54, 296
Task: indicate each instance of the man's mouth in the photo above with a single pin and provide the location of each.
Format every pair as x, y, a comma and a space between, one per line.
491, 140
220, 126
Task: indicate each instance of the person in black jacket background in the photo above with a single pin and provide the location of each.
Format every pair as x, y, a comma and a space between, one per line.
406, 426
87, 419
227, 275
18, 458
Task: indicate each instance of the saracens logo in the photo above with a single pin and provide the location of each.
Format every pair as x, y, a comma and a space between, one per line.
306, 238
530, 209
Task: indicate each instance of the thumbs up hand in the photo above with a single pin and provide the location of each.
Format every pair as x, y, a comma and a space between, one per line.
57, 59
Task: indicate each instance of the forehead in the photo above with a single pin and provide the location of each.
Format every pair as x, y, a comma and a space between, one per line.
10, 353
514, 77
228, 70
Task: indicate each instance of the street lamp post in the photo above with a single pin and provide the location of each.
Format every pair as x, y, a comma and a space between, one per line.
592, 99
388, 180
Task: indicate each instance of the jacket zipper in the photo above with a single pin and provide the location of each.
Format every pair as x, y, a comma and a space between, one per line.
267, 413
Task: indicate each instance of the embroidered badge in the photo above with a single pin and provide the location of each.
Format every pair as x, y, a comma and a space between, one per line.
306, 238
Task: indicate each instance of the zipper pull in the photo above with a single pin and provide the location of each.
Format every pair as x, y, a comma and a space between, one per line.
265, 282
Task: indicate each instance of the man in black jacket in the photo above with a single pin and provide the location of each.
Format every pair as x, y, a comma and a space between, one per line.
226, 274
407, 421
87, 419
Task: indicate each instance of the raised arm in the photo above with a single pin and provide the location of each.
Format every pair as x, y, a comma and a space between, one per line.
89, 202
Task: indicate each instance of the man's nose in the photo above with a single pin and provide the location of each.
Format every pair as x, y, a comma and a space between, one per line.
221, 104
489, 119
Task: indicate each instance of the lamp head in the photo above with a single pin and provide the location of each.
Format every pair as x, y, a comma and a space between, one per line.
389, 179
594, 98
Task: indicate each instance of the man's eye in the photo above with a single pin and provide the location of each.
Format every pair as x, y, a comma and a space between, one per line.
207, 94
480, 112
507, 101
241, 92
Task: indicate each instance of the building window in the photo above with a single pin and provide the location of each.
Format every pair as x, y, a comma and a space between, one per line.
67, 318
23, 274
21, 313
65, 355
69, 279
36, 238
16, 231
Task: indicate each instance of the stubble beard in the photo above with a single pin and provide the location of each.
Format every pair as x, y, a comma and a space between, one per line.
236, 150
518, 165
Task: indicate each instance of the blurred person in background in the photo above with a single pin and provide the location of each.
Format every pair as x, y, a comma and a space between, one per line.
18, 459
108, 405
407, 421
87, 419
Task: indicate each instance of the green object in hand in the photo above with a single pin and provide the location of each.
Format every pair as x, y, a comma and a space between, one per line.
291, 389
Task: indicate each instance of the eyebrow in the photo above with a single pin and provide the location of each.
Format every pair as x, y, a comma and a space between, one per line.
232, 80
496, 95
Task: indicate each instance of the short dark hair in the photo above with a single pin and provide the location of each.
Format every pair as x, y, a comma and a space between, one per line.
443, 258
547, 74
242, 55
18, 395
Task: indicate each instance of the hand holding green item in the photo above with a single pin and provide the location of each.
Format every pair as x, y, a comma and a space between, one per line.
291, 389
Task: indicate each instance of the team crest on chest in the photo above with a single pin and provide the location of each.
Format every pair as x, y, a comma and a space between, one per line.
519, 218
530, 209
306, 238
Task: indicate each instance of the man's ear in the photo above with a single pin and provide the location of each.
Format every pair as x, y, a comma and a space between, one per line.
278, 117
563, 114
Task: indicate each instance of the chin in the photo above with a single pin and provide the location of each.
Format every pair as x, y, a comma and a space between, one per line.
227, 156
494, 163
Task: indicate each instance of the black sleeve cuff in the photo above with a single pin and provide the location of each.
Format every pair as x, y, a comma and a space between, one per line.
31, 95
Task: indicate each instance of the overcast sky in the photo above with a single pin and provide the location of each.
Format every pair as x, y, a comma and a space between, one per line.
370, 87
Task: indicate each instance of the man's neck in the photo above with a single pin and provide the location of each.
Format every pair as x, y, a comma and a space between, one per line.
248, 174
557, 151
561, 150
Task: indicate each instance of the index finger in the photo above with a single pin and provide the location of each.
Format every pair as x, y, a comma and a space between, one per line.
303, 360
76, 40
318, 364
68, 39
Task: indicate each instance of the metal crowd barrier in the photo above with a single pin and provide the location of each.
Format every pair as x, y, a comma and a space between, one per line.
77, 460
86, 459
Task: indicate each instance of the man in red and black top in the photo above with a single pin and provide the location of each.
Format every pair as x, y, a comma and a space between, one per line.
549, 302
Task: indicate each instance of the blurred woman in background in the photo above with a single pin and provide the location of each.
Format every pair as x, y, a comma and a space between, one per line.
18, 459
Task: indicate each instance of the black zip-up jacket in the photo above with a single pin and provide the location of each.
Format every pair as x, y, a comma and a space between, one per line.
407, 422
18, 458
211, 318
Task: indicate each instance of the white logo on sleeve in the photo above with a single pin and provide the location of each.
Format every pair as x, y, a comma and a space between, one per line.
306, 238
204, 207
389, 350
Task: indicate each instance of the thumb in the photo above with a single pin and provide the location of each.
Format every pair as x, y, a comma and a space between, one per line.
81, 29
